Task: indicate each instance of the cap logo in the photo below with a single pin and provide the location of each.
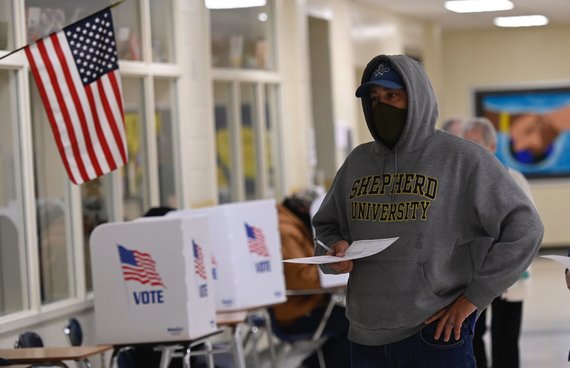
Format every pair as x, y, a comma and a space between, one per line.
380, 70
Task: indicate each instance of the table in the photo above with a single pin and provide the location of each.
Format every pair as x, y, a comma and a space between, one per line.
52, 355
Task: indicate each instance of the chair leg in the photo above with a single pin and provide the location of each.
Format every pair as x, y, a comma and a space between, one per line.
321, 357
270, 342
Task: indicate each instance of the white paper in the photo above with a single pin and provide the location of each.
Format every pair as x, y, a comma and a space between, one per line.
358, 249
563, 260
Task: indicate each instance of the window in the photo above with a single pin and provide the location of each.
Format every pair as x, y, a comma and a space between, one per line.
165, 122
52, 209
127, 21
44, 17
6, 25
45, 220
246, 106
243, 38
246, 123
161, 31
12, 255
134, 173
222, 119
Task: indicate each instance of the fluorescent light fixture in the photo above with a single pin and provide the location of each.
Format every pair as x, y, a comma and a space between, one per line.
521, 21
233, 4
477, 6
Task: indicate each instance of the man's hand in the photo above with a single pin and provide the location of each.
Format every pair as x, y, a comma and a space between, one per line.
451, 318
568, 279
339, 249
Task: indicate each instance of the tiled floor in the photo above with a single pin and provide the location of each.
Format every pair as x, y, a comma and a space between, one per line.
545, 340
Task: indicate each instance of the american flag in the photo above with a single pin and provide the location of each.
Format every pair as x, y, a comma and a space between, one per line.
77, 74
139, 266
256, 241
199, 265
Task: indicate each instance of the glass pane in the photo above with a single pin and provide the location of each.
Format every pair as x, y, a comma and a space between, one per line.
12, 255
243, 38
6, 25
134, 176
270, 138
161, 23
52, 208
164, 94
126, 19
95, 198
248, 135
44, 17
223, 118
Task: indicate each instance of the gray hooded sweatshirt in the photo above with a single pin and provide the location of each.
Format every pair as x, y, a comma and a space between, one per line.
465, 227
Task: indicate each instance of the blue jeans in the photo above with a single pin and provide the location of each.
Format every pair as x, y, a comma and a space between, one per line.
420, 350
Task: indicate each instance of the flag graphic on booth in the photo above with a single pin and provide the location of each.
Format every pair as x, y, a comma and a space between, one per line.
199, 265
139, 267
256, 241
77, 74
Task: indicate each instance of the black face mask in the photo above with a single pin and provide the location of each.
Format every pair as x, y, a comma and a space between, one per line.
389, 122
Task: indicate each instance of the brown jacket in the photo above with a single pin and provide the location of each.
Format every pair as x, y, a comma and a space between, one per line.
297, 241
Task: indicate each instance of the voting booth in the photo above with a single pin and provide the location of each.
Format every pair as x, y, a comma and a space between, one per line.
152, 280
246, 247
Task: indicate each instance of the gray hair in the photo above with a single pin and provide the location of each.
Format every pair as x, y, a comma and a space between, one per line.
485, 125
449, 124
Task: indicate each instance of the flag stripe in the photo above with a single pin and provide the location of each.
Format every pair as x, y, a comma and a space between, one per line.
109, 160
62, 107
50, 113
118, 111
110, 117
77, 107
100, 112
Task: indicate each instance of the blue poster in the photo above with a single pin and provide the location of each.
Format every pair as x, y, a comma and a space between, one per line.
533, 129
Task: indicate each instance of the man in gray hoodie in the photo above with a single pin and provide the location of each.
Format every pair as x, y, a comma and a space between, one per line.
466, 230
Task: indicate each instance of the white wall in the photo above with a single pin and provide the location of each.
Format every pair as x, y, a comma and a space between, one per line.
376, 32
509, 57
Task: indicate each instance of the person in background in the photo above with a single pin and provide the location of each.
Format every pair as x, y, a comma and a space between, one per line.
415, 304
453, 126
506, 316
303, 313
567, 274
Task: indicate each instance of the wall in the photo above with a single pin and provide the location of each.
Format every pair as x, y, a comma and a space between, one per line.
376, 32
494, 57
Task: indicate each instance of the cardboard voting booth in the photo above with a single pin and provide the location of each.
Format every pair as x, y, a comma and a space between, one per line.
152, 280
247, 254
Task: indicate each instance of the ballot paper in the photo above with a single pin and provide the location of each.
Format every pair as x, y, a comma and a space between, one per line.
358, 249
563, 260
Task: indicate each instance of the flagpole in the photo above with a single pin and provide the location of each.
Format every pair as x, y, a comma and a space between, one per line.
114, 4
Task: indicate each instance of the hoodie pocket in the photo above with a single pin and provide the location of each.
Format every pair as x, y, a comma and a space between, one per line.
404, 285
398, 295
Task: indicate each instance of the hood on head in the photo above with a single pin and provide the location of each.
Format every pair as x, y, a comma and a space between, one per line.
422, 105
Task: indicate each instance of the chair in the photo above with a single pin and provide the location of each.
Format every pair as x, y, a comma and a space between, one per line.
74, 334
306, 342
29, 339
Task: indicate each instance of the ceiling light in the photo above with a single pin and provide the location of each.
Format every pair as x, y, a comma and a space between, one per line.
232, 4
522, 21
476, 6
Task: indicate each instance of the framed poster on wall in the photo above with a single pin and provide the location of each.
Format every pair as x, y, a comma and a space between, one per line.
533, 127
